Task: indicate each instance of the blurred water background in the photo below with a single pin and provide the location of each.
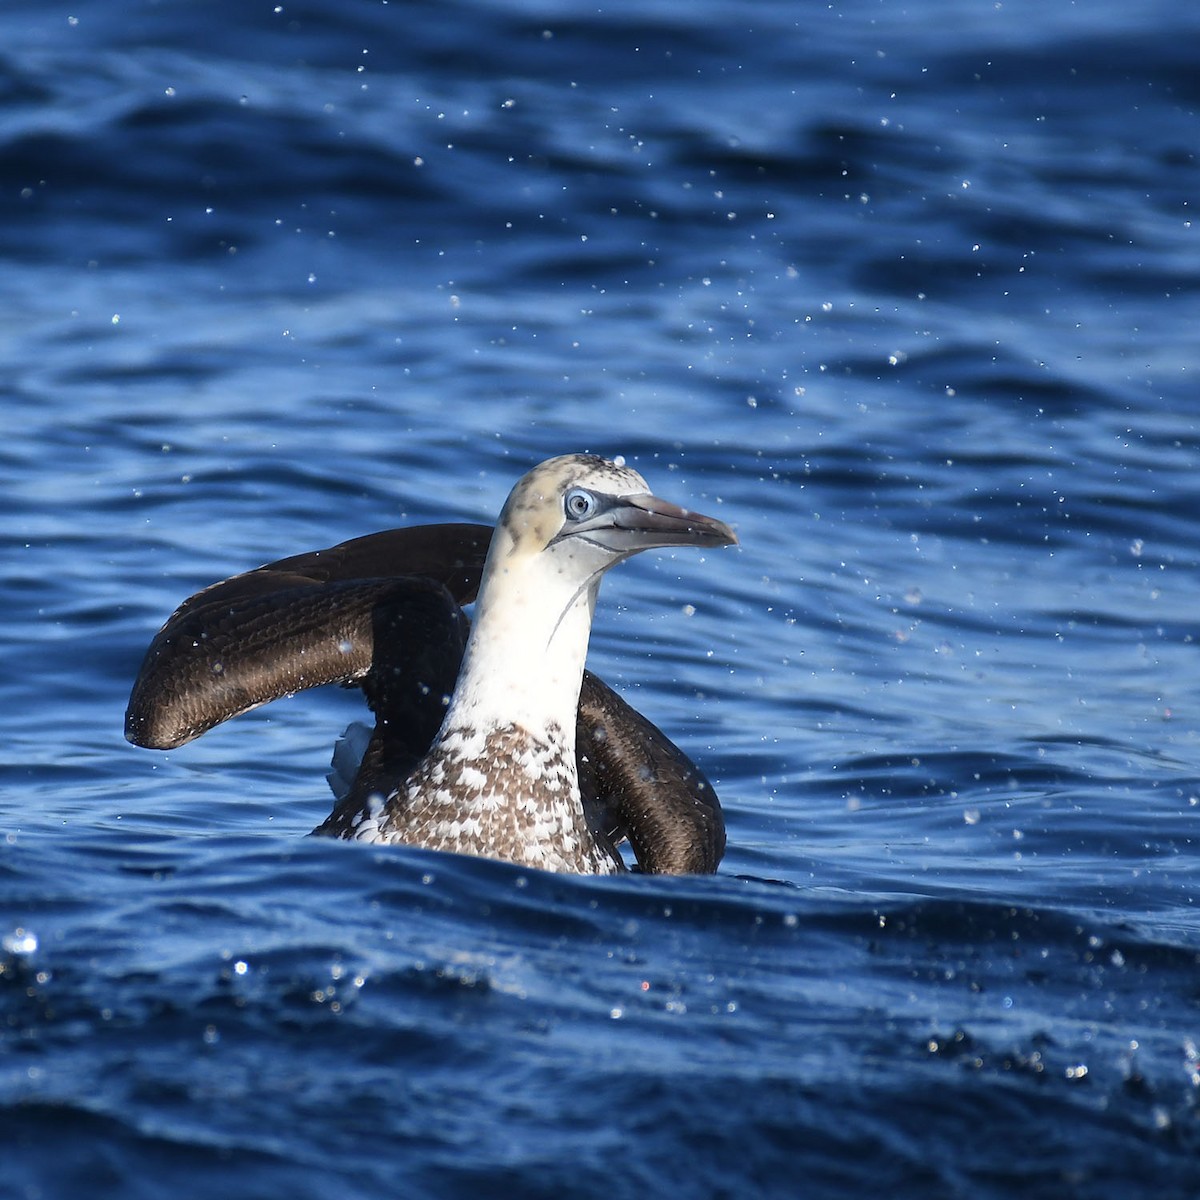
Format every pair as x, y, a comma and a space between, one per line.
908, 292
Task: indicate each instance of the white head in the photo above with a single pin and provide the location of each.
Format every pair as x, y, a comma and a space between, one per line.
564, 524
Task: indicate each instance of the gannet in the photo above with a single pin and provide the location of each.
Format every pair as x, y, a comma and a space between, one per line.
520, 754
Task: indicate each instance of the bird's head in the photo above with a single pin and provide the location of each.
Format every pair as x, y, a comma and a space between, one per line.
587, 513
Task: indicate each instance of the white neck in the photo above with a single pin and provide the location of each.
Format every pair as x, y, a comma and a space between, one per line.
524, 660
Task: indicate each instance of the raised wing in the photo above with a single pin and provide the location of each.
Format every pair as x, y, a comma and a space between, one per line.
301, 622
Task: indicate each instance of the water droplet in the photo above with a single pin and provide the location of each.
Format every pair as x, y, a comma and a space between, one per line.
21, 941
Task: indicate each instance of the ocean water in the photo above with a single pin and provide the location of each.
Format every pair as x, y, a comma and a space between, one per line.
908, 293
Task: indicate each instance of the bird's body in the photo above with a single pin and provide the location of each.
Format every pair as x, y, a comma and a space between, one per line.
500, 777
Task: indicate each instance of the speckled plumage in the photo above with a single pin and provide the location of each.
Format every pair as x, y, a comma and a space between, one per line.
509, 790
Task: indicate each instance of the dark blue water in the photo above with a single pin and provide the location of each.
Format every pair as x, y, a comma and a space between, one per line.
907, 292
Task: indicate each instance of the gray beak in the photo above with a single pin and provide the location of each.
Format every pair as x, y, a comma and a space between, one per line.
633, 523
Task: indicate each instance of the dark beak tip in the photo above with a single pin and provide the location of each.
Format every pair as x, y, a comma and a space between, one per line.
720, 533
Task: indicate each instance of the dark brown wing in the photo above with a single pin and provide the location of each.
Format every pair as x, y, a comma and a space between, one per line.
297, 623
654, 794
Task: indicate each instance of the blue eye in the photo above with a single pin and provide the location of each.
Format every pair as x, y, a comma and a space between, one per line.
579, 504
